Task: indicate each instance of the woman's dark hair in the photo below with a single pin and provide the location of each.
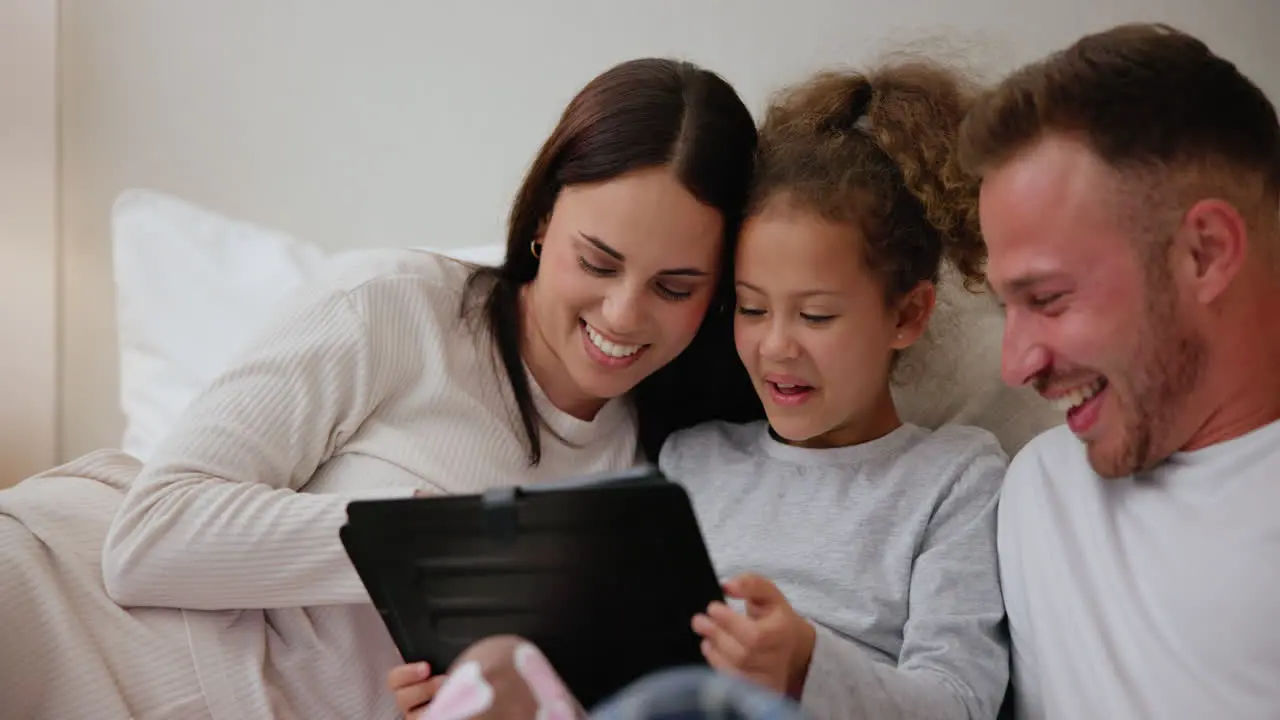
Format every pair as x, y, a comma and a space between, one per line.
880, 150
639, 114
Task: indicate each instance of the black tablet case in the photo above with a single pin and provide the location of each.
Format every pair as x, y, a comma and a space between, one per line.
603, 573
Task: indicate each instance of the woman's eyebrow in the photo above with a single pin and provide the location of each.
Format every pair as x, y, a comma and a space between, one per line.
603, 247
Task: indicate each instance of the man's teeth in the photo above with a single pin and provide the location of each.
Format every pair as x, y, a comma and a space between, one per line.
609, 348
1078, 396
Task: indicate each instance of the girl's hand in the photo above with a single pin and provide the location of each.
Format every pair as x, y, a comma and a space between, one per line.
770, 644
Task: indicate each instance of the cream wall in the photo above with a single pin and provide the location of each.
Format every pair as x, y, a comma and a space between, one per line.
28, 237
370, 122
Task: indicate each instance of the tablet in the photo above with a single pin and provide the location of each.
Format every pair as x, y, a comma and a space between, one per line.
603, 573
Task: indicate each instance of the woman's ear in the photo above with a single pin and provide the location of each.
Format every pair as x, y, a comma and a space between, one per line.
912, 315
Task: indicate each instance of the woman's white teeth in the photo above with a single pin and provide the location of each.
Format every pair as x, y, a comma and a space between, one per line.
610, 348
1077, 397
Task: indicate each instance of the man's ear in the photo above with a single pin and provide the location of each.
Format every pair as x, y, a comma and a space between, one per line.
1211, 248
913, 311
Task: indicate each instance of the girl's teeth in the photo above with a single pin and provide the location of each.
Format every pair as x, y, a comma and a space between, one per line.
609, 348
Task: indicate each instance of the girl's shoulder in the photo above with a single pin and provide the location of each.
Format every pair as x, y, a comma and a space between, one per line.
955, 455
711, 442
962, 441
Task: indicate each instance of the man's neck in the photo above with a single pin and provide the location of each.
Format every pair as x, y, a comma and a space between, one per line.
1243, 388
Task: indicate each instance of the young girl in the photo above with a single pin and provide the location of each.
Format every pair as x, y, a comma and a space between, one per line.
861, 548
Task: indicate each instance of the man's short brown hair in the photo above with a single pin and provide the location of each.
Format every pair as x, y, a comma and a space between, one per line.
1144, 97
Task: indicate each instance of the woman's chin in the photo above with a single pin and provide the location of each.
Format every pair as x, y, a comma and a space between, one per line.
599, 387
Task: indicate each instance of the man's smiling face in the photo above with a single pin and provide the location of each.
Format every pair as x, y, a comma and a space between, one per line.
1091, 317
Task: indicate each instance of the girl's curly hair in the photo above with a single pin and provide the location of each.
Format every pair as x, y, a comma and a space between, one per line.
879, 150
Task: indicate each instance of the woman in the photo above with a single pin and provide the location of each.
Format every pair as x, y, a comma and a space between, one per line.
862, 547
406, 373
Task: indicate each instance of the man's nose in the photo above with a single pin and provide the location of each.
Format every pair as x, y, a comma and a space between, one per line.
1022, 355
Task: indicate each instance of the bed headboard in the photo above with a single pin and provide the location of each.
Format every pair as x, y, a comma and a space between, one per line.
365, 123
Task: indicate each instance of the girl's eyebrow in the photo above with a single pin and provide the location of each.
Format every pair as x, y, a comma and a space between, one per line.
800, 294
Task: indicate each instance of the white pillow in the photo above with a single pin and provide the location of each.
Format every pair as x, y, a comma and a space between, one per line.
193, 286
952, 374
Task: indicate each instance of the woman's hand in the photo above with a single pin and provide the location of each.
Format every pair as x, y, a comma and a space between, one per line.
770, 644
414, 686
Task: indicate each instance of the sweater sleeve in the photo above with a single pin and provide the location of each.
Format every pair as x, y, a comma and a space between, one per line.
215, 521
954, 662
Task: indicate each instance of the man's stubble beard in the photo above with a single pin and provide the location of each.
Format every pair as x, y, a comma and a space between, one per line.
1169, 361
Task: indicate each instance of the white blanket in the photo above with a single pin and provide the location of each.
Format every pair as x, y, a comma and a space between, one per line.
67, 650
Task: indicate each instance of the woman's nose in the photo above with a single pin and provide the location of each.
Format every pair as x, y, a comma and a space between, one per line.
624, 312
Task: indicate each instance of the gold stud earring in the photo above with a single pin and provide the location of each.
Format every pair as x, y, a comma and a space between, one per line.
535, 247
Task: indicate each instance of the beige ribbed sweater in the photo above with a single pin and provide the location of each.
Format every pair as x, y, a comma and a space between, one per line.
371, 386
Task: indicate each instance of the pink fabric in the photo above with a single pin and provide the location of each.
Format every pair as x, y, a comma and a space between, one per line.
503, 678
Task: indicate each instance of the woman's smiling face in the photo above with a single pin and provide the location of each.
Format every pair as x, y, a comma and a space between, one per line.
627, 270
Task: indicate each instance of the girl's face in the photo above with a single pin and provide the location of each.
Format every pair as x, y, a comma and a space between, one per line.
813, 330
627, 270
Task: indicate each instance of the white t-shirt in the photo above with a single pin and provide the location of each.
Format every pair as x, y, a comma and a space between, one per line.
1153, 596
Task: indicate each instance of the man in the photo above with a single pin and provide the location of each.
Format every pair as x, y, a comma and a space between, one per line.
1131, 206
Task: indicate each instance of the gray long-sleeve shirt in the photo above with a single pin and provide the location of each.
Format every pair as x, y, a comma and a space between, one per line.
887, 547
